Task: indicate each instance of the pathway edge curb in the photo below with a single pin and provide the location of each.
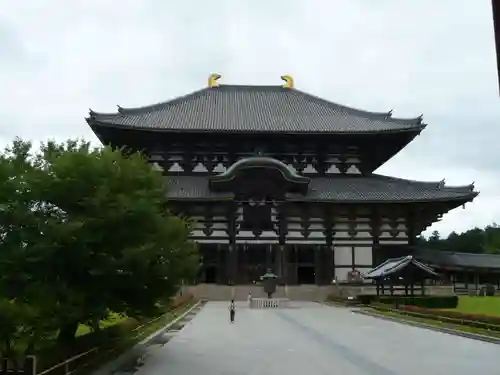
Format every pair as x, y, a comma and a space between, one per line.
112, 366
450, 331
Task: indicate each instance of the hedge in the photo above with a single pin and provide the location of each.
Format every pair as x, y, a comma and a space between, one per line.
432, 302
428, 302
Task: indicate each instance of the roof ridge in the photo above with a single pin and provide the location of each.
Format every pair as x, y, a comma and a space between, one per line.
438, 184
451, 252
387, 116
152, 107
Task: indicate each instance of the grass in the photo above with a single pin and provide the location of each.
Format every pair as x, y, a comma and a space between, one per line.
111, 321
478, 305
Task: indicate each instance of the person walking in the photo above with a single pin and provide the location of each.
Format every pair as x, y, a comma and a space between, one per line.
250, 299
232, 311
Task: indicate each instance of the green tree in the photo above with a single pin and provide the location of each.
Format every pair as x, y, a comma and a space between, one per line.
99, 236
23, 299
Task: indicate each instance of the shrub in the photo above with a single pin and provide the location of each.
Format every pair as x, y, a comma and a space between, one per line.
487, 290
429, 302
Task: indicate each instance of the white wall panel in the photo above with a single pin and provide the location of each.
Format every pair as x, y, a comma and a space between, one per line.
343, 255
363, 255
341, 273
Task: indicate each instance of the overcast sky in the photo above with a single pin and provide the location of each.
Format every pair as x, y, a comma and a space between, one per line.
436, 57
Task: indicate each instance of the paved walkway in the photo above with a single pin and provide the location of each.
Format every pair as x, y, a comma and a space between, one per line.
313, 340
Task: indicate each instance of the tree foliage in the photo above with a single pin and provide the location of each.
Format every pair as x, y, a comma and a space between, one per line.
475, 240
85, 231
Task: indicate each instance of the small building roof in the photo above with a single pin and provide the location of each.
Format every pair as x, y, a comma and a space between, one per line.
460, 260
342, 188
393, 266
254, 109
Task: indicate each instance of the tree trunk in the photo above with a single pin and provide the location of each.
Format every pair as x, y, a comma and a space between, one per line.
30, 348
67, 333
96, 327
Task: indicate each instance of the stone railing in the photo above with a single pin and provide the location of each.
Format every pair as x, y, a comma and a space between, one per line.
268, 303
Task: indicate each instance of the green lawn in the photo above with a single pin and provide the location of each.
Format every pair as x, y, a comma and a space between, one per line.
478, 305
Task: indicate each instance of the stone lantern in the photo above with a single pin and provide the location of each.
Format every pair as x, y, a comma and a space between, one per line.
270, 280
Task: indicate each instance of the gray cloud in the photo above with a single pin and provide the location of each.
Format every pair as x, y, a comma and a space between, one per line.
57, 58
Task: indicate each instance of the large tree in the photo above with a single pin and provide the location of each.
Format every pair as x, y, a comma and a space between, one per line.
474, 240
99, 236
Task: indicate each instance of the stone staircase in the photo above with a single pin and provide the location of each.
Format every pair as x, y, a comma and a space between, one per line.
213, 292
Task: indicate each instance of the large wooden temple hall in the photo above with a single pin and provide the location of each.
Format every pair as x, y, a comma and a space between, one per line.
276, 178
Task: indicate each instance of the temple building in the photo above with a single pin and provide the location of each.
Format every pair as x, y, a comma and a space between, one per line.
496, 30
276, 178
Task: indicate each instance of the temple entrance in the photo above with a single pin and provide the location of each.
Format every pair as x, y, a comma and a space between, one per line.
256, 260
210, 275
306, 275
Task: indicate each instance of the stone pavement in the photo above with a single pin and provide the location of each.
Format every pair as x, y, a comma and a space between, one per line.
313, 339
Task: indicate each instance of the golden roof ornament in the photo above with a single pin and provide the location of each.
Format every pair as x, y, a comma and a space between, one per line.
288, 81
212, 80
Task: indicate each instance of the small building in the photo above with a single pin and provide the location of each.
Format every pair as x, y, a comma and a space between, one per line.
276, 178
465, 271
401, 274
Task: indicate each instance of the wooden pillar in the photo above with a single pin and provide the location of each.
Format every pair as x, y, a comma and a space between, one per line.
232, 264
222, 257
328, 264
328, 222
282, 249
318, 265
269, 254
243, 271
232, 253
376, 222
284, 261
278, 261
411, 218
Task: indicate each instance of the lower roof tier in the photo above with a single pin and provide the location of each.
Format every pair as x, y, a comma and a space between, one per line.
339, 189
452, 259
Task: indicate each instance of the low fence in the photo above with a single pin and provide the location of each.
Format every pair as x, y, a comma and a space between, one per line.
11, 367
268, 303
89, 357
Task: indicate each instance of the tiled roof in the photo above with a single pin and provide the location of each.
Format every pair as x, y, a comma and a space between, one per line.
257, 109
449, 258
373, 188
394, 265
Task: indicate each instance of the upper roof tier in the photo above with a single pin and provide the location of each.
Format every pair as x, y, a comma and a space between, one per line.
255, 109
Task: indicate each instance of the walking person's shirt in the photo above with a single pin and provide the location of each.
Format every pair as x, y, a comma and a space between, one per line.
232, 307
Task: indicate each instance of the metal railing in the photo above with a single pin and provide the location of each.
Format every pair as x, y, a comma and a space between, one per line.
268, 303
66, 364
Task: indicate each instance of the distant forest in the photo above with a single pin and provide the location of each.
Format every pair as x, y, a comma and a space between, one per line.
475, 240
